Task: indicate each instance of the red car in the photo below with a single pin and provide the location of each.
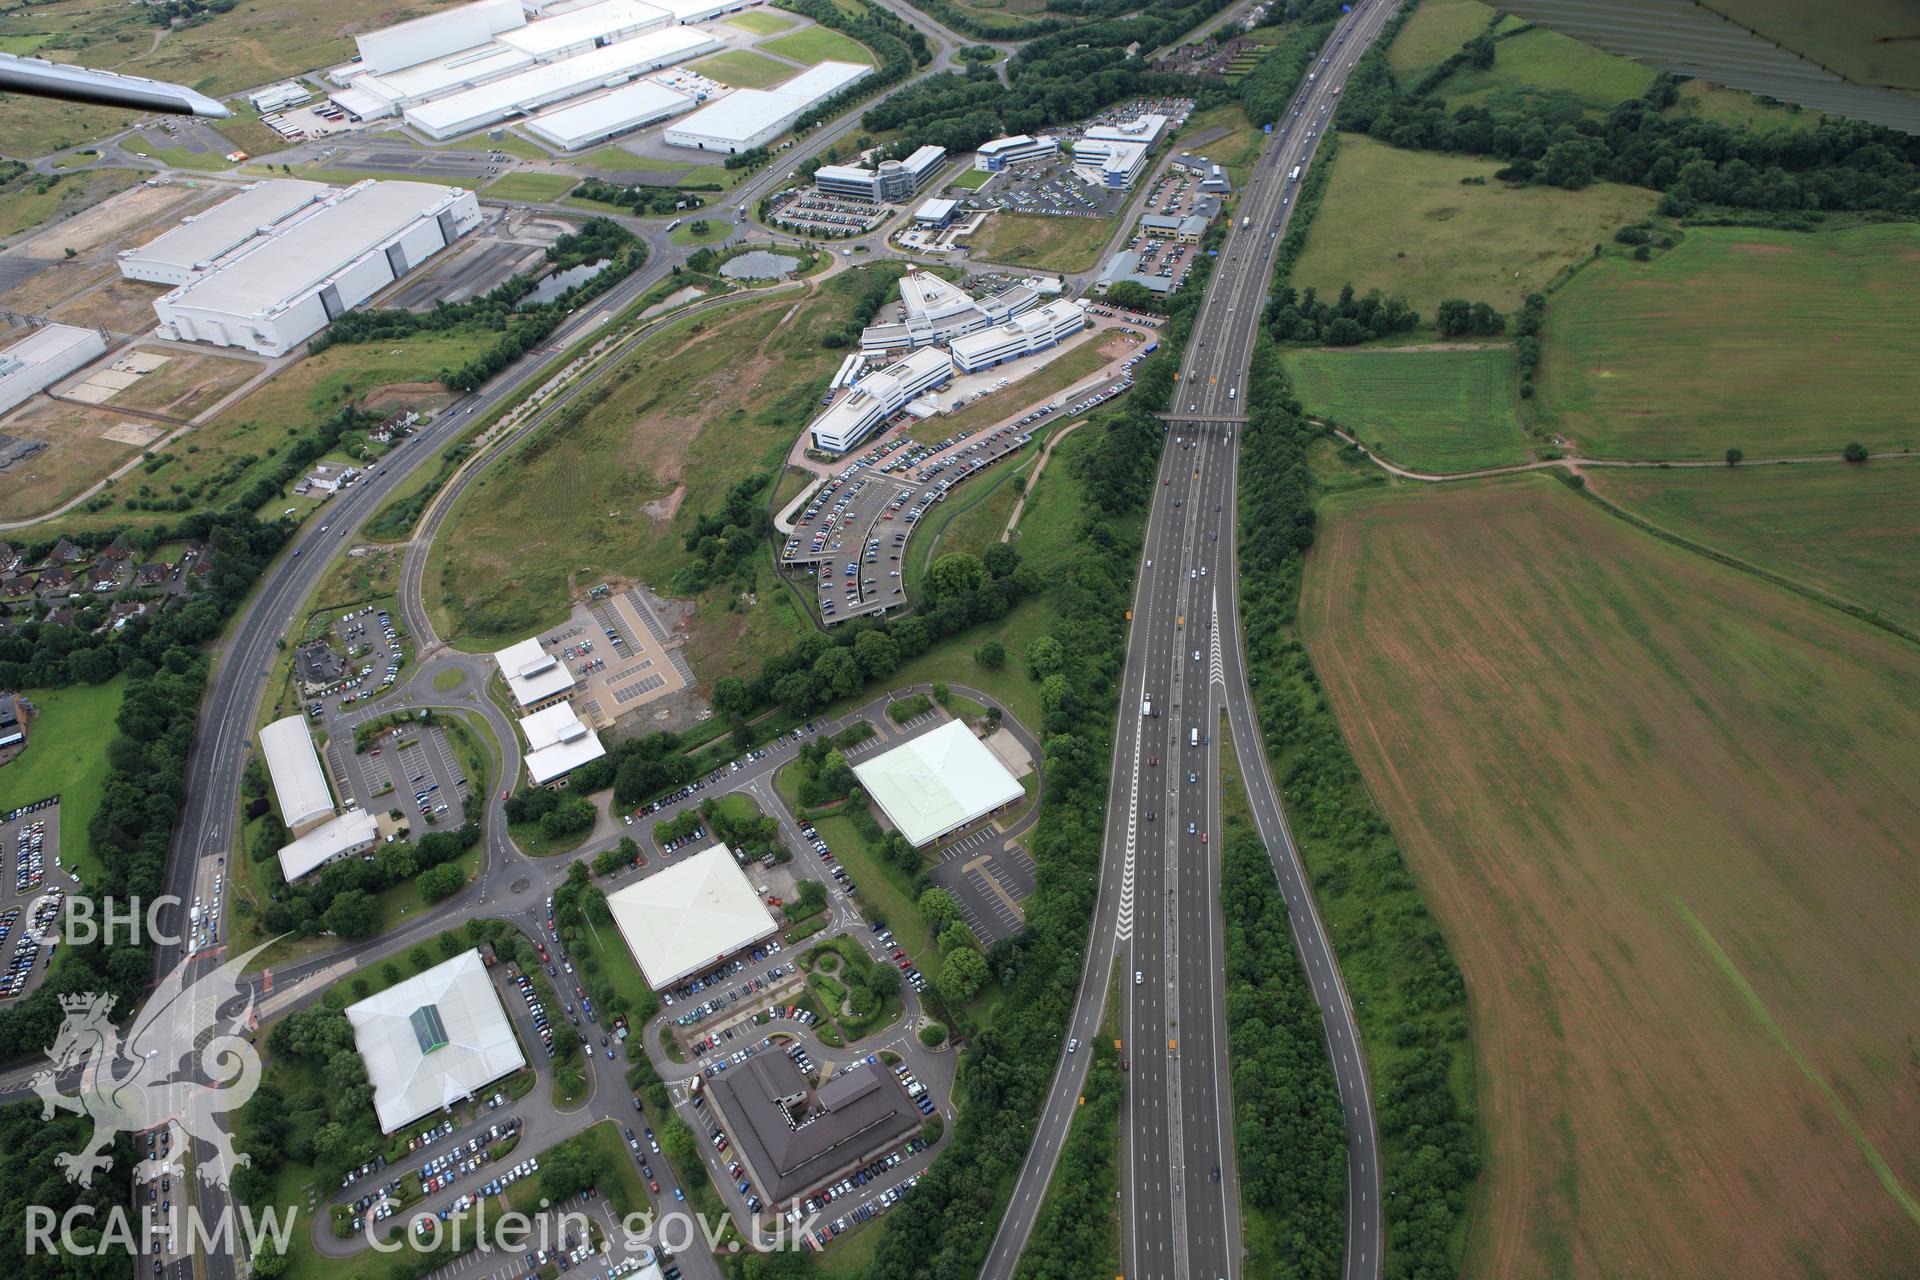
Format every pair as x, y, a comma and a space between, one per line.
653, 1186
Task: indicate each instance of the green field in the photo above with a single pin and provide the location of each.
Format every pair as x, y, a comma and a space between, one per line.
717, 228
1544, 73
1663, 812
761, 22
1769, 341
819, 44
971, 179
743, 69
1738, 109
1401, 222
1048, 244
541, 188
1434, 33
66, 757
1428, 410
1848, 530
707, 402
1235, 150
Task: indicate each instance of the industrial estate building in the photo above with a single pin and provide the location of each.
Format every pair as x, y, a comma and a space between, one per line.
938, 312
434, 1040
1112, 155
43, 357
536, 677
792, 1137
1021, 336
684, 918
749, 118
280, 286
936, 213
597, 120
935, 784
278, 97
998, 154
889, 182
320, 833
557, 743
193, 247
877, 397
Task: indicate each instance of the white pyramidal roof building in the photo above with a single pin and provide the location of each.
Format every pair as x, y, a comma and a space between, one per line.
683, 918
433, 1040
937, 782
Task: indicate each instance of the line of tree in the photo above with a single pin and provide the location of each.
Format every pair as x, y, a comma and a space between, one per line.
1303, 317
165, 665
501, 311
1410, 997
1288, 1129
1833, 165
341, 898
638, 199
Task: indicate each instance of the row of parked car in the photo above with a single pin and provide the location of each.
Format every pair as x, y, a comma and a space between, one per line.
29, 855
535, 1010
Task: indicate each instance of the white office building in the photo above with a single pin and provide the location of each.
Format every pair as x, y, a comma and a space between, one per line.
536, 677
557, 743
43, 357
938, 782
877, 397
937, 312
586, 124
1147, 130
354, 831
1001, 152
584, 29
891, 181
1021, 336
299, 783
199, 242
546, 83
280, 289
1108, 162
278, 97
434, 1040
438, 34
749, 118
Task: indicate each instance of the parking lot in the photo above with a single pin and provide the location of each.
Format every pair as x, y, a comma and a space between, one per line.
809, 211
31, 893
1049, 188
348, 658
989, 879
411, 769
620, 654
1165, 258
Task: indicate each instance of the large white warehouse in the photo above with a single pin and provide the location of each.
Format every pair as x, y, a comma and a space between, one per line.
549, 82
584, 29
438, 34
749, 118
42, 358
280, 290
191, 248
299, 783
586, 124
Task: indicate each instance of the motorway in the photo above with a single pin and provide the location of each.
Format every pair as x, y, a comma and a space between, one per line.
1158, 914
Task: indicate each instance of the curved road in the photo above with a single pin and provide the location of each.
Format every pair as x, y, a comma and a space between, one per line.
1158, 911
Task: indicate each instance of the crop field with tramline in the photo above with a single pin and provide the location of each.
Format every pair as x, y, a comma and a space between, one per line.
1665, 813
1773, 342
1429, 410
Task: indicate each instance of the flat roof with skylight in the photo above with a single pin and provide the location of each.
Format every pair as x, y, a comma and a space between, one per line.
434, 1040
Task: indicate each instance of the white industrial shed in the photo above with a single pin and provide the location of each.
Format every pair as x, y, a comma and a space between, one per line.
535, 676
938, 782
354, 831
178, 255
434, 1040
749, 118
438, 34
700, 10
43, 357
314, 268
682, 919
585, 124
590, 27
558, 743
299, 783
547, 83
372, 96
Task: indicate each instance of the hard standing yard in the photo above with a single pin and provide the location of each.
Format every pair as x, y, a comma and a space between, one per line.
1429, 410
1666, 815
1771, 341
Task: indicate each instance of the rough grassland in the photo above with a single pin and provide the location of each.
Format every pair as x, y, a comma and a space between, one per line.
760, 22
1665, 814
1847, 530
1430, 410
1031, 240
818, 44
1434, 33
1545, 72
744, 69
1400, 221
698, 410
1771, 341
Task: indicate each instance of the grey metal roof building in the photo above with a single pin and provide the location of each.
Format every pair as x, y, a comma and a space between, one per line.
790, 1143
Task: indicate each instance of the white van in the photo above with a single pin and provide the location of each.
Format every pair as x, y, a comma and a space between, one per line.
1193, 737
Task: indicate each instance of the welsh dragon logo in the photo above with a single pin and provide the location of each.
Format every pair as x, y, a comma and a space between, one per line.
177, 1066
